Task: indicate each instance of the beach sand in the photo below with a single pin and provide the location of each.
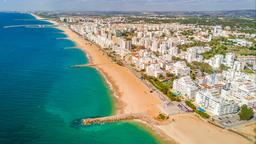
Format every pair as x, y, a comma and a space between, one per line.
189, 129
136, 98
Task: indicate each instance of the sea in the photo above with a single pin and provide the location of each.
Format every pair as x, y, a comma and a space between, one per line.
43, 99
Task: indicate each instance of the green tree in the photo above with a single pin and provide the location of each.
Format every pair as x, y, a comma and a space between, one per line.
190, 104
223, 67
246, 113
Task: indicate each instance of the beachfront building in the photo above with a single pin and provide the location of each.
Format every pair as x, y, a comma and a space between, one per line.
154, 70
215, 103
186, 87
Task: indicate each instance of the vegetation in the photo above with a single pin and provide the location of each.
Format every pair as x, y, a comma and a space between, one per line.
248, 71
127, 35
137, 47
207, 20
184, 47
217, 48
162, 117
172, 97
171, 77
187, 32
202, 114
175, 59
191, 105
163, 87
246, 113
222, 46
235, 23
203, 67
223, 67
193, 75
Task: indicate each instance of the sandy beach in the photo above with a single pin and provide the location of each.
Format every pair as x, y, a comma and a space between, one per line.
136, 98
189, 129
127, 87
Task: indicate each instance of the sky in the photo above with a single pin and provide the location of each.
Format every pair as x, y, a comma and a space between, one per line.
126, 5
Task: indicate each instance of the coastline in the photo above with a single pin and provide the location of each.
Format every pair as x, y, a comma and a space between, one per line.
126, 87
131, 95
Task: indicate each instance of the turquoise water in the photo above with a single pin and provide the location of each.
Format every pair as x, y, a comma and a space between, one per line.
41, 97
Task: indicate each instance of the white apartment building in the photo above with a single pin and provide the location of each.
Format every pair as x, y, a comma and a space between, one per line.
180, 69
193, 53
215, 61
212, 101
229, 60
217, 31
154, 70
154, 46
186, 87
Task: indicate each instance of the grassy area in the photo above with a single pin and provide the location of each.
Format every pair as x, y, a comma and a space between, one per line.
248, 71
184, 47
193, 107
202, 114
222, 46
172, 97
190, 104
223, 67
203, 67
175, 59
234, 23
163, 87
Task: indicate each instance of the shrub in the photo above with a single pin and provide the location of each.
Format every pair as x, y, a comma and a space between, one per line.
191, 105
162, 117
172, 97
246, 113
202, 114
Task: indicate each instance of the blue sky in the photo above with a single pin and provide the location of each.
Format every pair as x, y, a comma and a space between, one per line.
127, 5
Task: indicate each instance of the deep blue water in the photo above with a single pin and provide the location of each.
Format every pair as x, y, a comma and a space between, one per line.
41, 96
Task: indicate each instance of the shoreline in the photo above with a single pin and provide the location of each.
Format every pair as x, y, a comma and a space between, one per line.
184, 129
109, 70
